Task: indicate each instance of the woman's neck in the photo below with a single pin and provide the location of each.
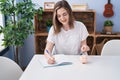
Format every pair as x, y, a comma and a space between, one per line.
66, 27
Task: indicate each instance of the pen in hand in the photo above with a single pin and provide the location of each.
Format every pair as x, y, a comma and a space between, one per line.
51, 59
48, 52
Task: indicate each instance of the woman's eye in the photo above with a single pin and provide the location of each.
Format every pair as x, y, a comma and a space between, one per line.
58, 16
64, 14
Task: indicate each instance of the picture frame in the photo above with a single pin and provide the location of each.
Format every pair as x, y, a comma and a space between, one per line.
49, 6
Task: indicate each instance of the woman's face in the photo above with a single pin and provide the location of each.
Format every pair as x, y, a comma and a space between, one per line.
63, 16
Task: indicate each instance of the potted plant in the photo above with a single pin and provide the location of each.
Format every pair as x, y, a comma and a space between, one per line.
108, 25
19, 24
48, 24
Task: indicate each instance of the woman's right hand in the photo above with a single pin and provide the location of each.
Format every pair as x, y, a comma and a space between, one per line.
51, 60
48, 53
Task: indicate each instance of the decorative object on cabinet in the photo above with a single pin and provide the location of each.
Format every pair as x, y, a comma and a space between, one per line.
108, 12
48, 24
79, 7
48, 6
88, 17
108, 25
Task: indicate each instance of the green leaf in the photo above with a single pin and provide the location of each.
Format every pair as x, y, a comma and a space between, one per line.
16, 31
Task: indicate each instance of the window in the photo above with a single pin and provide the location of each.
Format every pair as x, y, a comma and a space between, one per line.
1, 35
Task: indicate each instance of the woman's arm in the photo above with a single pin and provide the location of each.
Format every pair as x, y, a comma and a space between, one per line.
48, 52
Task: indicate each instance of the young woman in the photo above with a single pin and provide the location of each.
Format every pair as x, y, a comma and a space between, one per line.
66, 36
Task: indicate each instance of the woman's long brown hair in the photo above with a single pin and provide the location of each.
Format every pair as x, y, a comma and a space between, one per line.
56, 24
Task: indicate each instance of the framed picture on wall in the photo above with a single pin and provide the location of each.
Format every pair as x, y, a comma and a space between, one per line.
48, 6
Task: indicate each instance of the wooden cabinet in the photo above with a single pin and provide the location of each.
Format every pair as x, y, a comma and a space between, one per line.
95, 40
87, 17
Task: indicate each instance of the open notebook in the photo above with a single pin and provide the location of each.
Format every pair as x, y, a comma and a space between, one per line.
61, 60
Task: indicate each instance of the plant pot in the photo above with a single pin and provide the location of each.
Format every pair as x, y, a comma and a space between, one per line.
108, 29
48, 28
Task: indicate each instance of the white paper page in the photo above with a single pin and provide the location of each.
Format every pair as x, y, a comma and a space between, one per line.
61, 60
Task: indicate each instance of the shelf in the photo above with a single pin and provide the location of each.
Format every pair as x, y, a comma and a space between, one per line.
41, 34
46, 34
88, 10
108, 35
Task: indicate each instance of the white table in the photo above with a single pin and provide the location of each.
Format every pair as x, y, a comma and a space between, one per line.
98, 68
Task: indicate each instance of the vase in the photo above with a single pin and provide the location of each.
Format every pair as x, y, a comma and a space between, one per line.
48, 28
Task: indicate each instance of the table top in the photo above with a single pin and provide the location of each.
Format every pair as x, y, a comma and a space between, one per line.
97, 68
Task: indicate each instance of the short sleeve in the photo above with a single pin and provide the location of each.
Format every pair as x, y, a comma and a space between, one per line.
84, 32
51, 36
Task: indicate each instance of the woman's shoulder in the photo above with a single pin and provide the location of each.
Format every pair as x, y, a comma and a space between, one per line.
78, 22
51, 30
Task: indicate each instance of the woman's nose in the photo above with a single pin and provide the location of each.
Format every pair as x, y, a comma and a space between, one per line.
62, 17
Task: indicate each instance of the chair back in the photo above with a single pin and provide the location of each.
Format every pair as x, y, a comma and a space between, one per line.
9, 70
111, 48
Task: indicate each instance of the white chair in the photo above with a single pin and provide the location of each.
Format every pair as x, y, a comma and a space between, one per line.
111, 48
9, 70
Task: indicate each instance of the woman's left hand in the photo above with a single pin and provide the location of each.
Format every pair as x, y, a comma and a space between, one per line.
85, 48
